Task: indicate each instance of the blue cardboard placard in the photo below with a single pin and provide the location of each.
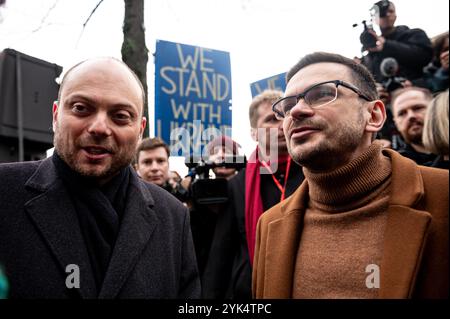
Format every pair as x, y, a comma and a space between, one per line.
192, 96
276, 82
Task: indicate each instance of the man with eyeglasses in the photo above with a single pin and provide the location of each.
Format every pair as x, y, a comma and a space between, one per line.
366, 222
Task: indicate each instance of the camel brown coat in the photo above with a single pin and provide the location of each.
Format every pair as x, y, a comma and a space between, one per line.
416, 243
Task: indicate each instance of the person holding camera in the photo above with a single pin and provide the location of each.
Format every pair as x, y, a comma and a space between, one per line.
208, 196
268, 178
436, 75
410, 48
218, 149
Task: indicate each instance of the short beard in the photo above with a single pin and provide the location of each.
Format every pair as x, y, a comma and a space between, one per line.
415, 139
328, 155
63, 150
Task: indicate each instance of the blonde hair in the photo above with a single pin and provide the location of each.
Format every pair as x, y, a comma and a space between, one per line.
267, 96
435, 133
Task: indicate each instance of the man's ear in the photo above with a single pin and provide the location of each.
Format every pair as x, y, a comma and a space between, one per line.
377, 116
254, 134
55, 114
143, 126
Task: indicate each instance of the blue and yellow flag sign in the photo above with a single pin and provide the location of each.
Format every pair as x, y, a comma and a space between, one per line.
192, 96
276, 82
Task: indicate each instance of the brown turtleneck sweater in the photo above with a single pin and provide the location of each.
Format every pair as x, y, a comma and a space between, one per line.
343, 228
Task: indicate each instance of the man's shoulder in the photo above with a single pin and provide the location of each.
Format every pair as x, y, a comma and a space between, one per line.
14, 178
420, 158
431, 181
17, 171
161, 197
437, 176
13, 166
403, 30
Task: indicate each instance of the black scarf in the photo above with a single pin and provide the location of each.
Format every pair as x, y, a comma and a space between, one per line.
99, 210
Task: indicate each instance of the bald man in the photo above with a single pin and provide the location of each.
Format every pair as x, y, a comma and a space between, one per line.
81, 224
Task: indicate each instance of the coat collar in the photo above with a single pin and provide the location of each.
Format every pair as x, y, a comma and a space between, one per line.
405, 235
55, 217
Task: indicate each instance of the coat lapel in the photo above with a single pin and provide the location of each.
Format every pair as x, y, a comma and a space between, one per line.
138, 224
56, 219
406, 230
282, 246
404, 240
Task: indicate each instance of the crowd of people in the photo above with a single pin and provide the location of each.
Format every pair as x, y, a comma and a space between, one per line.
348, 174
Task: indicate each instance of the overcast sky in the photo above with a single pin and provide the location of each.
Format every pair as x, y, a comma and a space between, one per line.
264, 37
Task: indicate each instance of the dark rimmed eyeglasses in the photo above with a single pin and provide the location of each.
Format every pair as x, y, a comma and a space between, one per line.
316, 96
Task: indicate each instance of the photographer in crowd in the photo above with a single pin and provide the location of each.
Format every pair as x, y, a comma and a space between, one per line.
208, 196
411, 48
218, 149
436, 73
396, 59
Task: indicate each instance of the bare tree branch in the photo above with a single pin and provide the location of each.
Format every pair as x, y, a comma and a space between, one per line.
85, 23
45, 17
87, 20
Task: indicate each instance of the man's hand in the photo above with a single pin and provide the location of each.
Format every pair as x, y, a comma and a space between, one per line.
379, 44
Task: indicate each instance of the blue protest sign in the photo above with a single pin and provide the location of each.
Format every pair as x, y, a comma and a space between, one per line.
276, 82
192, 96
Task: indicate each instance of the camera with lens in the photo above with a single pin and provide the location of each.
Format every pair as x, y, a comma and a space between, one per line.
368, 40
204, 190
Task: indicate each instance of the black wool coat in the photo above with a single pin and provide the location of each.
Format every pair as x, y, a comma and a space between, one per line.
40, 237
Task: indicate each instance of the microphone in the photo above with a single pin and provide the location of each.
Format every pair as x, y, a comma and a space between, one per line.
389, 67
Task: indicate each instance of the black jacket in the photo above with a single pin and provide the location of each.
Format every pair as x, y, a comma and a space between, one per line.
228, 272
439, 162
410, 47
420, 158
40, 236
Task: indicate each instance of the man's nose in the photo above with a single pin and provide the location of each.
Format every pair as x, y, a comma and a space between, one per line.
301, 109
154, 166
99, 125
411, 115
